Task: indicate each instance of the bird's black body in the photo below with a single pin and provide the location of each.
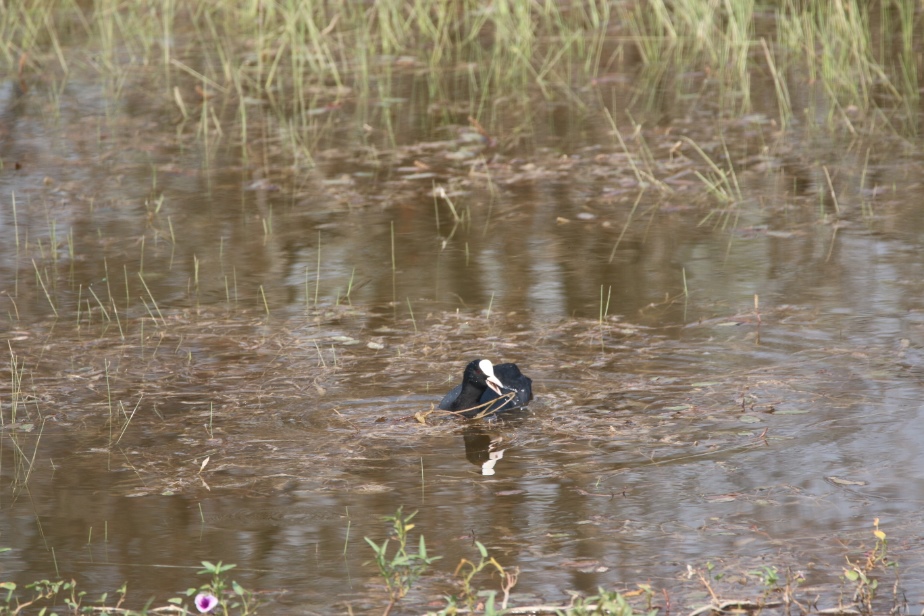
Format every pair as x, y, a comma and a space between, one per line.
513, 381
479, 387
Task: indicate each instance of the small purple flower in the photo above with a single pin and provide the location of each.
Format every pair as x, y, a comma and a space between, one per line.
205, 602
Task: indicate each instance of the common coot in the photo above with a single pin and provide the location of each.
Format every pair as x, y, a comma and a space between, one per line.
483, 382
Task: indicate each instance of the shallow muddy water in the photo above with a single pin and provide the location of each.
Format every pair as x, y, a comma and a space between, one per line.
220, 357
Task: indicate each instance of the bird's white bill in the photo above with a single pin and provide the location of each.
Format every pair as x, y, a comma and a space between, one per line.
493, 382
495, 385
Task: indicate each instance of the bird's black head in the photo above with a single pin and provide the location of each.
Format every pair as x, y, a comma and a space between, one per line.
474, 373
480, 372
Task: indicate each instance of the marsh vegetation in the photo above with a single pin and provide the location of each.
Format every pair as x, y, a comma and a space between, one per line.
245, 248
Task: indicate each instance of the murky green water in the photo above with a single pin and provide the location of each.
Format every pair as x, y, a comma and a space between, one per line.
215, 357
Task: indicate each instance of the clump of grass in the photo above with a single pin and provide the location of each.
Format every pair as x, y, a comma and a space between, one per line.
20, 427
715, 36
860, 61
721, 183
641, 161
856, 67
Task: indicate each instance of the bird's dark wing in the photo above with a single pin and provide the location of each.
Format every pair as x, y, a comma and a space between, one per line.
449, 398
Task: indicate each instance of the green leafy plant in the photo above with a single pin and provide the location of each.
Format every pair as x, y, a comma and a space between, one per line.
403, 568
607, 603
467, 570
860, 573
220, 595
43, 594
769, 576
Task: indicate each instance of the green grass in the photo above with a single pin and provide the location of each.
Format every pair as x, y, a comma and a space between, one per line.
278, 81
226, 69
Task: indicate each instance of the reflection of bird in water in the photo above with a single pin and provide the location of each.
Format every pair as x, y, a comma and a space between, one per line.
481, 449
483, 382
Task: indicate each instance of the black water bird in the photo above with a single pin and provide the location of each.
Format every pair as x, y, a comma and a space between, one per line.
483, 382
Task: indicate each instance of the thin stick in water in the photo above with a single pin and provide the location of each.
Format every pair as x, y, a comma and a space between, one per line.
42, 282
346, 542
154, 301
265, 303
413, 320
394, 293
317, 280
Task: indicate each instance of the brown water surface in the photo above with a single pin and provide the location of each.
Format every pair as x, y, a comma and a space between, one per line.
220, 358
